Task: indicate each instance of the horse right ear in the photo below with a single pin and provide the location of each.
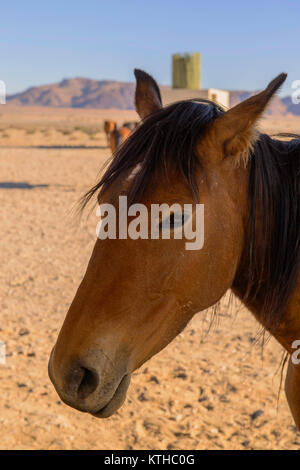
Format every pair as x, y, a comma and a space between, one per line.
147, 94
236, 130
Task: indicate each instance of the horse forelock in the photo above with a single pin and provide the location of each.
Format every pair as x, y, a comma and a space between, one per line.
165, 139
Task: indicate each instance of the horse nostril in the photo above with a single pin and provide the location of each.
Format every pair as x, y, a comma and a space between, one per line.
88, 384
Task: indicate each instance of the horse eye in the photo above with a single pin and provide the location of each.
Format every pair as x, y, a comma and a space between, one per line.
174, 221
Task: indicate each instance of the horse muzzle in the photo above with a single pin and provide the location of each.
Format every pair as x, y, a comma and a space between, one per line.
91, 384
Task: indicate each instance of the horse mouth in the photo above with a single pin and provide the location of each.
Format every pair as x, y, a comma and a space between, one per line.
116, 401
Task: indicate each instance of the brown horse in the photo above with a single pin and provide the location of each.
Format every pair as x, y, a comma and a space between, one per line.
118, 136
137, 295
108, 127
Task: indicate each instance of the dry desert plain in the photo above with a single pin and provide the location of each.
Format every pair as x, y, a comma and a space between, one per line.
216, 390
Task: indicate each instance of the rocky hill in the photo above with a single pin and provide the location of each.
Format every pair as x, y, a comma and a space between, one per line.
78, 93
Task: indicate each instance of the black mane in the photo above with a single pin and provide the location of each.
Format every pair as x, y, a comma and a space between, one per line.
273, 254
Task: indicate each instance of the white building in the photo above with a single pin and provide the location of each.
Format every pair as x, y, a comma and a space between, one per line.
170, 95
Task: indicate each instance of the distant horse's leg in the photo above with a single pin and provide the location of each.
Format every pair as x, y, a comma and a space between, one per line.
107, 134
112, 138
292, 390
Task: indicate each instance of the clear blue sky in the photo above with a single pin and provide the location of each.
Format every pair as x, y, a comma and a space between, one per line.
243, 43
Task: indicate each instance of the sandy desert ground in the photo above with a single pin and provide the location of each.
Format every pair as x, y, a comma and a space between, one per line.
204, 391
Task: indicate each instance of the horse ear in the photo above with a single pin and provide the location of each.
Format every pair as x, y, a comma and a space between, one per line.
236, 129
147, 94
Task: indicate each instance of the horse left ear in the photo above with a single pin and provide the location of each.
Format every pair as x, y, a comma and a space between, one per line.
147, 94
236, 129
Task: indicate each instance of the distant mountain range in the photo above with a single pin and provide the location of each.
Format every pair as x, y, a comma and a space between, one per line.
78, 93
105, 94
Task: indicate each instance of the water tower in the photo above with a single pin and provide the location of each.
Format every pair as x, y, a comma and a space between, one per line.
186, 71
